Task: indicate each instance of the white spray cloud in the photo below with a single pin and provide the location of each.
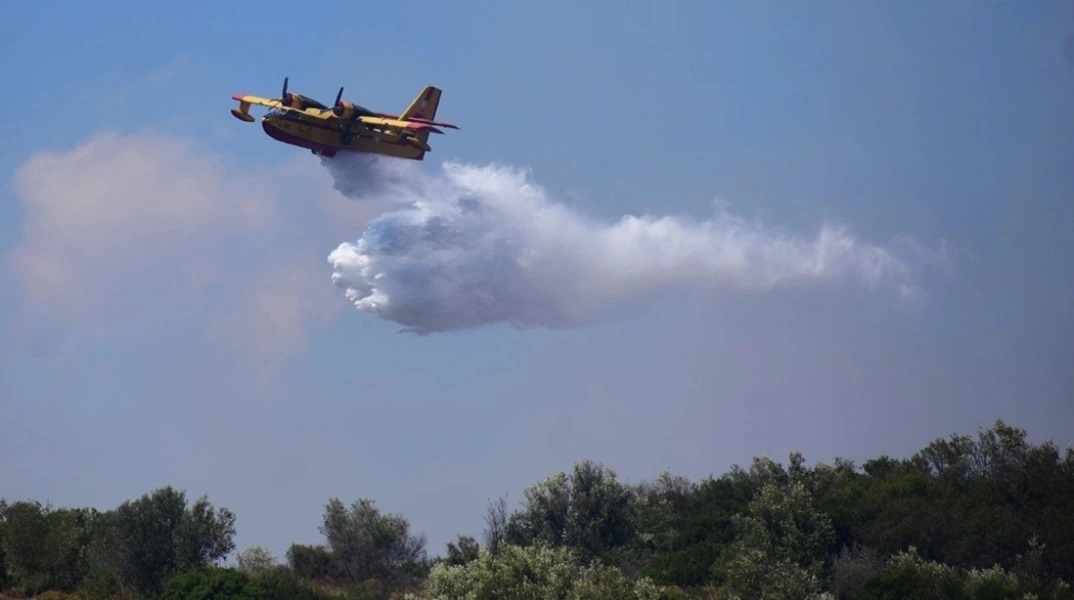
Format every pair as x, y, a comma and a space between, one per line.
482, 245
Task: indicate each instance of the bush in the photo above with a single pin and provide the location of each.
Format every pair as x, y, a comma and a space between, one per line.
211, 583
852, 571
55, 595
674, 593
683, 567
101, 585
280, 583
220, 583
990, 584
536, 572
907, 575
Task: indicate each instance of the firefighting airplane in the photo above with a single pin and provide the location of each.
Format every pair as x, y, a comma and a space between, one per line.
304, 122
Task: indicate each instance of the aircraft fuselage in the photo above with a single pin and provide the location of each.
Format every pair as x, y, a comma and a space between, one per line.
321, 138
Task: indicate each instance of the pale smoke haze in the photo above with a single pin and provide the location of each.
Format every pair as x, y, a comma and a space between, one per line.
473, 246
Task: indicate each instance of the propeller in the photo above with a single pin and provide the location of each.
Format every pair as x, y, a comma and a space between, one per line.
285, 98
341, 108
337, 107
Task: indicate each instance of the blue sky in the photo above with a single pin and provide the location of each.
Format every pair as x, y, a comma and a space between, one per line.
168, 315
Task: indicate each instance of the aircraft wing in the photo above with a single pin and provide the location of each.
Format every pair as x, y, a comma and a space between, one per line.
246, 100
399, 124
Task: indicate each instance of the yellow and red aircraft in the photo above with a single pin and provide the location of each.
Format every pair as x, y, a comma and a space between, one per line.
301, 121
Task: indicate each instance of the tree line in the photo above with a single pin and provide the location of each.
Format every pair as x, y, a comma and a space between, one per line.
985, 516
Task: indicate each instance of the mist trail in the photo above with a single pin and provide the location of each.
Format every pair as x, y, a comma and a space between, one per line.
471, 246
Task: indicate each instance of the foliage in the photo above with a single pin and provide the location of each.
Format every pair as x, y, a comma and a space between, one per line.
971, 503
659, 506
463, 550
779, 545
5, 579
211, 583
853, 569
496, 519
590, 511
704, 526
44, 547
984, 516
535, 572
102, 585
365, 544
157, 537
219, 583
280, 583
57, 595
255, 560
310, 562
907, 575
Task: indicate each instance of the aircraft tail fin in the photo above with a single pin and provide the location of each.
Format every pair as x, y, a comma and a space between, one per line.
424, 105
422, 113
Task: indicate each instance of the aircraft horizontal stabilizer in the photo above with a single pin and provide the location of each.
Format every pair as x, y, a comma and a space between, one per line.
422, 127
430, 122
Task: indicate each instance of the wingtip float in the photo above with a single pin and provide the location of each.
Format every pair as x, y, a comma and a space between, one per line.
301, 121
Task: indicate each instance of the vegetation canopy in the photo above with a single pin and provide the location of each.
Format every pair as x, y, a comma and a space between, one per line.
966, 517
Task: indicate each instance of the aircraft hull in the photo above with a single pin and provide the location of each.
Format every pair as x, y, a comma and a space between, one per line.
329, 141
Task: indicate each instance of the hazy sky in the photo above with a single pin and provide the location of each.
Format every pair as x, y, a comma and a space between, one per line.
868, 245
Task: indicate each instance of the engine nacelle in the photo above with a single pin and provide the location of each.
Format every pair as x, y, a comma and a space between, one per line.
292, 100
344, 110
350, 111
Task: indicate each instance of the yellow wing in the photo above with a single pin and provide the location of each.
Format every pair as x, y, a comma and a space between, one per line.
248, 100
245, 100
399, 124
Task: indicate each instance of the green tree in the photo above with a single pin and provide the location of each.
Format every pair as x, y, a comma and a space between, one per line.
779, 546
219, 583
101, 584
24, 544
660, 510
255, 560
852, 570
536, 572
705, 528
661, 506
5, 579
44, 547
970, 502
463, 550
496, 520
907, 575
211, 583
365, 544
590, 511
280, 583
158, 536
310, 562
